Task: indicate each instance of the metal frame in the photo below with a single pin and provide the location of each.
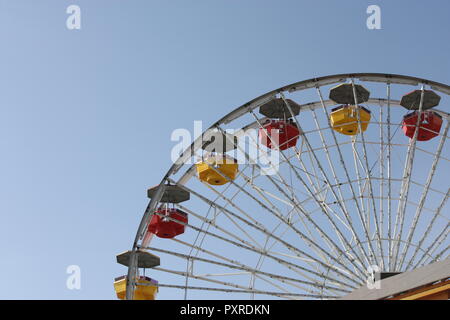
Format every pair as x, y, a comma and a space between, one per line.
332, 237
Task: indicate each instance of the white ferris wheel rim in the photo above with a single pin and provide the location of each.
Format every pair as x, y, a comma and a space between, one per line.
247, 108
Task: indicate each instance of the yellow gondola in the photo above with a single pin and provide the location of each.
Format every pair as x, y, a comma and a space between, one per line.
344, 119
211, 169
146, 288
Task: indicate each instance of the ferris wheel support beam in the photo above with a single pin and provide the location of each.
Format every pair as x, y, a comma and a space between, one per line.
343, 240
260, 261
336, 179
440, 254
261, 258
396, 199
285, 184
298, 205
209, 225
259, 227
377, 143
294, 207
439, 240
424, 193
366, 160
244, 268
327, 180
381, 160
303, 169
318, 189
235, 262
304, 236
427, 231
359, 180
256, 250
197, 277
307, 84
379, 178
271, 283
389, 173
341, 158
336, 229
277, 294
404, 191
211, 222
221, 195
254, 276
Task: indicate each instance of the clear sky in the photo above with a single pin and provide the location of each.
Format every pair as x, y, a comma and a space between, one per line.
86, 115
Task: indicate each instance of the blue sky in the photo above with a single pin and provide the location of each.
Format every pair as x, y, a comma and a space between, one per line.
86, 115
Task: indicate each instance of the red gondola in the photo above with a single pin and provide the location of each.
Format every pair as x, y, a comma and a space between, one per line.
287, 132
165, 228
429, 127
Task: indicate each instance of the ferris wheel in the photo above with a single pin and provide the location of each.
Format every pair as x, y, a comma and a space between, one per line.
302, 193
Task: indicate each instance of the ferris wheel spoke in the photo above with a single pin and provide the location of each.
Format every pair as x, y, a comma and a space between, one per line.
252, 248
342, 162
381, 161
314, 282
357, 164
310, 242
368, 174
424, 193
287, 264
328, 183
208, 226
335, 228
296, 207
318, 191
261, 259
253, 223
242, 267
207, 279
310, 155
293, 223
428, 230
404, 190
212, 223
436, 244
432, 154
336, 179
273, 180
256, 225
279, 287
442, 253
389, 174
181, 181
338, 232
260, 191
315, 185
275, 294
